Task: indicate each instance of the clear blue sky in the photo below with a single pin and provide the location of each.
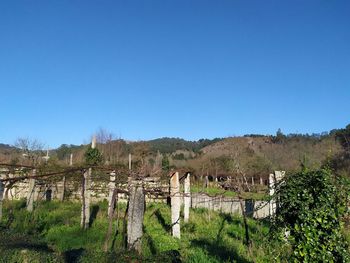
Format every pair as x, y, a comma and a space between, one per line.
191, 69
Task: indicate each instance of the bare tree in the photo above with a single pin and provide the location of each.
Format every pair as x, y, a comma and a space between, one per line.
116, 149
140, 151
32, 149
104, 139
158, 162
109, 145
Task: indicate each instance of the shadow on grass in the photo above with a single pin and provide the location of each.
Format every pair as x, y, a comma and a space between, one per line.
150, 242
27, 245
72, 256
9, 240
161, 220
115, 235
219, 251
94, 212
170, 256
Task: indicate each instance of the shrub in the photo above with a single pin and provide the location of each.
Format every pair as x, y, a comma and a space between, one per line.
310, 206
93, 156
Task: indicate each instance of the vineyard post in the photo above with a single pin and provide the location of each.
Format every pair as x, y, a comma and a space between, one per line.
31, 191
175, 204
187, 197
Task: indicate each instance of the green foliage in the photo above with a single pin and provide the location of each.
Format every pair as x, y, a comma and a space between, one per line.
93, 156
165, 163
310, 206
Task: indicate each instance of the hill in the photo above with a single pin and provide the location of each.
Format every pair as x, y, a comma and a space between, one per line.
262, 154
170, 145
252, 154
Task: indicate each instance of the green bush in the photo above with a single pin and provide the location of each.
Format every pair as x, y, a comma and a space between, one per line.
310, 206
93, 156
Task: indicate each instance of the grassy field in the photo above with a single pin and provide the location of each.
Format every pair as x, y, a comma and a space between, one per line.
52, 234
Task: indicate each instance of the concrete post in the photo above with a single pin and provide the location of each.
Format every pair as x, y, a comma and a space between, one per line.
158, 161
274, 179
93, 142
2, 187
86, 193
187, 197
261, 181
206, 182
136, 212
279, 175
63, 190
31, 192
111, 195
86, 199
61, 193
129, 161
175, 204
272, 205
110, 220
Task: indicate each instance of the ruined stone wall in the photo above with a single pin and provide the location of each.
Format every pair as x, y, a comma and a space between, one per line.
230, 205
100, 192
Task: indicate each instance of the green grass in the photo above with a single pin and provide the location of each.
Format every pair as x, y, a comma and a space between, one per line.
52, 234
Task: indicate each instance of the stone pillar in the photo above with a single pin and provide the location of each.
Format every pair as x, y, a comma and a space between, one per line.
272, 205
86, 199
62, 189
253, 180
187, 197
2, 187
129, 161
136, 212
279, 175
274, 179
114, 199
93, 142
111, 187
48, 194
31, 192
206, 182
158, 162
64, 178
261, 181
86, 193
175, 204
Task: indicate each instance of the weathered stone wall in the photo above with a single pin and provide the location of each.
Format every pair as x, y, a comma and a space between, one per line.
230, 205
100, 191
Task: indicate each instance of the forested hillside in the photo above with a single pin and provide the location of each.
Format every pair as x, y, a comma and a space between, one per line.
252, 154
